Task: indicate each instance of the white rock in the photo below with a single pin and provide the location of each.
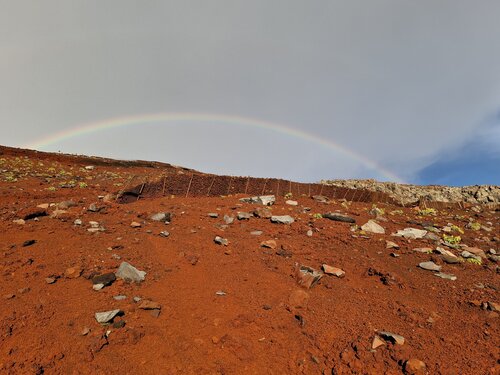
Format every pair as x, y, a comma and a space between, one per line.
411, 233
430, 266
106, 316
284, 219
372, 227
292, 203
128, 272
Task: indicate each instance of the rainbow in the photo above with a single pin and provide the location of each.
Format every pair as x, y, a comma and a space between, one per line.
118, 122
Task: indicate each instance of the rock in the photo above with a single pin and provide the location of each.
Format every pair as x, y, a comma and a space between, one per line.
446, 276
73, 272
89, 167
43, 206
162, 216
329, 270
97, 287
129, 273
77, 222
377, 342
448, 256
85, 331
65, 205
164, 234
93, 208
50, 280
465, 254
221, 241
19, 221
220, 293
29, 243
105, 279
321, 199
106, 316
309, 233
244, 216
149, 305
411, 233
263, 213
430, 266
213, 215
228, 219
475, 251
425, 250
431, 236
120, 297
284, 219
270, 244
414, 366
256, 233
307, 276
137, 299
266, 200
392, 337
135, 224
391, 245
338, 217
292, 203
373, 227
94, 224
493, 306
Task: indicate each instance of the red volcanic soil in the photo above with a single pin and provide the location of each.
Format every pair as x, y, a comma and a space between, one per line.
207, 308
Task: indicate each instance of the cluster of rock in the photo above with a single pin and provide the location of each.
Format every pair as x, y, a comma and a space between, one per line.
412, 194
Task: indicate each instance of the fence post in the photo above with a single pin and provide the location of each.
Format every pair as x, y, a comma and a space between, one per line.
229, 187
248, 182
264, 188
189, 186
164, 185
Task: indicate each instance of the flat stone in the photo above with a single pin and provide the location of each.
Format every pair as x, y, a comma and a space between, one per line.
129, 273
377, 342
97, 286
64, 205
213, 215
161, 216
446, 276
50, 280
228, 219
448, 256
307, 276
263, 213
426, 250
146, 304
411, 233
19, 221
391, 245
164, 234
392, 337
120, 297
77, 222
256, 233
73, 272
29, 243
221, 241
372, 227
430, 266
106, 316
309, 233
283, 219
270, 244
465, 254
338, 217
292, 203
329, 270
135, 224
244, 216
321, 199
476, 251
266, 200
105, 279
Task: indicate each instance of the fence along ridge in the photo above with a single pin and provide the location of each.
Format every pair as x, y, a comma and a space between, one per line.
197, 184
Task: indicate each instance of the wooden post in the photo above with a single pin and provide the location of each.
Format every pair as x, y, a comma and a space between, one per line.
189, 186
164, 185
210, 187
264, 188
248, 182
229, 187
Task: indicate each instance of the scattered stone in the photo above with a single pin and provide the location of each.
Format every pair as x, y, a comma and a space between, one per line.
129, 273
135, 224
77, 222
309, 233
137, 299
265, 200
270, 244
162, 216
9, 296
256, 233
97, 287
373, 227
244, 216
228, 219
94, 224
120, 297
29, 243
221, 241
339, 217
19, 221
394, 255
284, 219
43, 206
411, 233
321, 199
448, 256
392, 337
106, 316
292, 203
220, 293
73, 272
493, 306
432, 237
284, 252
213, 215
446, 276
89, 167
93, 208
104, 279
430, 266
149, 305
85, 331
65, 205
329, 270
391, 245
425, 250
307, 276
377, 342
164, 234
50, 280
465, 254
414, 366
476, 251
263, 213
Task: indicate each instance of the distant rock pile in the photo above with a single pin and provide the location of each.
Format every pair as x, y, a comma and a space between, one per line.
411, 194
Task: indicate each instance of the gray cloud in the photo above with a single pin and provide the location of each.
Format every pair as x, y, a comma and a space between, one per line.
397, 81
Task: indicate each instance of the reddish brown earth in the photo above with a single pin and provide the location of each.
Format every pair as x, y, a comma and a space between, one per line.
266, 323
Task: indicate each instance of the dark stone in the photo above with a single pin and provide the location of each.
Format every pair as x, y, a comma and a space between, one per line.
105, 279
29, 243
339, 217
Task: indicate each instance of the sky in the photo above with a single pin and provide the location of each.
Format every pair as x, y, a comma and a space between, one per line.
396, 90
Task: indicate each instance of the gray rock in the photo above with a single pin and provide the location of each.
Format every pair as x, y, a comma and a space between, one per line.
78, 222
256, 233
338, 217
321, 199
448, 256
466, 254
221, 241
446, 276
266, 200
228, 219
430, 266
137, 299
161, 216
164, 234
411, 233
120, 297
244, 216
292, 203
372, 227
106, 316
129, 273
284, 219
213, 215
65, 205
93, 208
309, 233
